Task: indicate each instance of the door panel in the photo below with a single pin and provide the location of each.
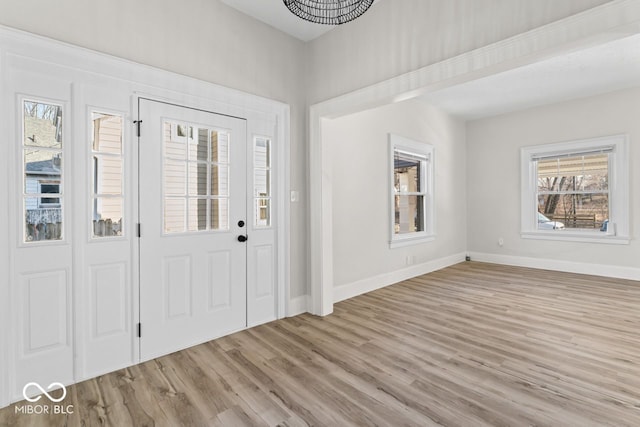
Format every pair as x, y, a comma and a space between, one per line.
192, 197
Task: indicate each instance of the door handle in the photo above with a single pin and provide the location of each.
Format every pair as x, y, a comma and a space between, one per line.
243, 238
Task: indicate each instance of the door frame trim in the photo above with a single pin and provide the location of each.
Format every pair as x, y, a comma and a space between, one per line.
280, 115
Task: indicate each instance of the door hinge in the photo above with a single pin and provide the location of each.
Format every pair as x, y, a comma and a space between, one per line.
139, 330
139, 230
137, 123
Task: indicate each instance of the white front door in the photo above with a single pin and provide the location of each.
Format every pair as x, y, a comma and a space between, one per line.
193, 218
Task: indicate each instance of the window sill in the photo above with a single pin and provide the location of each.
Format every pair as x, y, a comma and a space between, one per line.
410, 241
587, 237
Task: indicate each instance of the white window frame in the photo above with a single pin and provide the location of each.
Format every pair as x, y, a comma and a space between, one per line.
399, 143
618, 232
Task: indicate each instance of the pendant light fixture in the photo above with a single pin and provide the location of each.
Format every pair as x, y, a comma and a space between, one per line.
330, 12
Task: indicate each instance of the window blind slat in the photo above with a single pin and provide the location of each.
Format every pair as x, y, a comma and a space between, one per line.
556, 155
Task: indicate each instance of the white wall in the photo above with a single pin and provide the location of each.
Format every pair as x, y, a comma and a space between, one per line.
398, 36
204, 39
493, 176
359, 170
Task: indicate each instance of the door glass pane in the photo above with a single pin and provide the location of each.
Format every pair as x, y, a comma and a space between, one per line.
42, 166
175, 146
220, 214
219, 180
219, 146
409, 216
197, 214
175, 178
198, 179
202, 151
107, 216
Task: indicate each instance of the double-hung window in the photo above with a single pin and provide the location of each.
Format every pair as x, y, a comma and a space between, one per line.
412, 208
576, 191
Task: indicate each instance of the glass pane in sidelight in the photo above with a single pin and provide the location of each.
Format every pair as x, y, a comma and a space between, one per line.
42, 125
262, 183
262, 153
42, 168
107, 216
107, 133
107, 174
42, 222
262, 212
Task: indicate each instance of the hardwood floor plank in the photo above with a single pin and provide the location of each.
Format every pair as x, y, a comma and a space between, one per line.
470, 345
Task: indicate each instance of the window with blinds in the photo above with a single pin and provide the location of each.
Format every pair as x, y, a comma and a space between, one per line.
412, 190
576, 190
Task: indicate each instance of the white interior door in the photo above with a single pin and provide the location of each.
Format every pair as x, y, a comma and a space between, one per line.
193, 215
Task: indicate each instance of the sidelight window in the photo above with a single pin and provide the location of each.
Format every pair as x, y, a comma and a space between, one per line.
41, 145
107, 200
262, 181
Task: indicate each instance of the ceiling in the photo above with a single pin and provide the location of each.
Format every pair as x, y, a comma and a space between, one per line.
276, 14
587, 72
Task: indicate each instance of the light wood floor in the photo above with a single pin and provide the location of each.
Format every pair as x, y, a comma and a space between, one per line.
471, 345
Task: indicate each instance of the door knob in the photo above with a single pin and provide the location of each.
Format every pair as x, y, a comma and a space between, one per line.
242, 238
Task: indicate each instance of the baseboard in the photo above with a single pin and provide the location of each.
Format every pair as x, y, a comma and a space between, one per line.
363, 286
298, 305
618, 272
